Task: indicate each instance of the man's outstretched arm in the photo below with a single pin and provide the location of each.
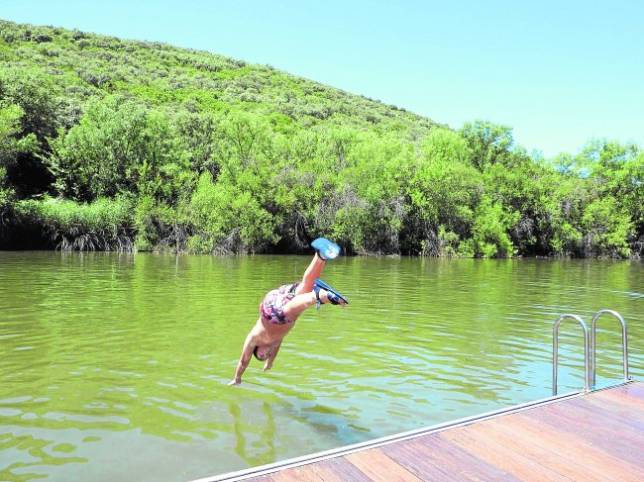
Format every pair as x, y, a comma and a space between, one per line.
244, 360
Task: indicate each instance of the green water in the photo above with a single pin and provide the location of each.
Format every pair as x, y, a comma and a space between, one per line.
113, 367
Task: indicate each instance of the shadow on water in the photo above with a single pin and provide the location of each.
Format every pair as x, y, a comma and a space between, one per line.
254, 455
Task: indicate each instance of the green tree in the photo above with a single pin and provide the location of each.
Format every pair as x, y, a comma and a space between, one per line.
489, 143
228, 219
120, 147
490, 231
443, 190
607, 229
12, 145
36, 95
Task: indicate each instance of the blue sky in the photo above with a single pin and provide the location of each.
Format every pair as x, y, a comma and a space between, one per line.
558, 72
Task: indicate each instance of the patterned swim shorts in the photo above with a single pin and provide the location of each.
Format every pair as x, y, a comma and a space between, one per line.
271, 309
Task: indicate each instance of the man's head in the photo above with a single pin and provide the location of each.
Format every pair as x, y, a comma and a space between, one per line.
263, 352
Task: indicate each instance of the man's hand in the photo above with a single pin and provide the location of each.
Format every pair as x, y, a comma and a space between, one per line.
244, 359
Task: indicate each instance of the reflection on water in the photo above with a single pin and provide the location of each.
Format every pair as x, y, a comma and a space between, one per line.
113, 367
242, 423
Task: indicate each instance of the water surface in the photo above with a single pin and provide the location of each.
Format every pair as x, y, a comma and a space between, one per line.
114, 367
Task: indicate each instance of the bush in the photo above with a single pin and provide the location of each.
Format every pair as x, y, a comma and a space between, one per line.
443, 190
7, 197
120, 147
606, 228
105, 224
228, 219
159, 227
490, 232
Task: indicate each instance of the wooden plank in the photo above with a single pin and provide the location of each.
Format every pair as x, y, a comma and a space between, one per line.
572, 449
619, 410
463, 462
417, 463
552, 462
609, 408
344, 469
317, 472
336, 469
607, 415
597, 430
621, 398
632, 390
434, 458
516, 457
597, 417
379, 467
296, 474
635, 390
620, 402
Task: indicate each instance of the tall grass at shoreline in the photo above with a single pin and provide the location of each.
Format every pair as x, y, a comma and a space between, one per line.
103, 225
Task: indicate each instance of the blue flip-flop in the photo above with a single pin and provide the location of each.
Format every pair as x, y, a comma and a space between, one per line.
326, 249
334, 297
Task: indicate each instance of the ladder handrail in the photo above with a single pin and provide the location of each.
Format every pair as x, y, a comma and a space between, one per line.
555, 351
593, 344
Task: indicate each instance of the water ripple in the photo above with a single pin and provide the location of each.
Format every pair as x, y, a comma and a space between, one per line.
121, 361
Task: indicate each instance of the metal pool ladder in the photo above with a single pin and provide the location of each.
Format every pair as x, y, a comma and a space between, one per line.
590, 348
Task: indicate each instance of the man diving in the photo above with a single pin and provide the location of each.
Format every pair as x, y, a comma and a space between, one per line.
281, 307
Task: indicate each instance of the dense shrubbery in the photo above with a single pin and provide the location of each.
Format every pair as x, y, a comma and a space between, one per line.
105, 224
108, 144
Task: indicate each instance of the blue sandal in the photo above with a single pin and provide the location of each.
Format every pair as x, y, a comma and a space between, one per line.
326, 249
334, 297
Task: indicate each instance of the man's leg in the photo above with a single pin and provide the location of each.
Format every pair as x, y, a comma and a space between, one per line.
312, 273
298, 304
304, 295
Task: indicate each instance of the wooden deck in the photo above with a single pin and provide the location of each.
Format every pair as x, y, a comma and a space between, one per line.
593, 437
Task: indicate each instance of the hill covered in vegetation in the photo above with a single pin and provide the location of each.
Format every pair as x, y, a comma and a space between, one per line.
128, 145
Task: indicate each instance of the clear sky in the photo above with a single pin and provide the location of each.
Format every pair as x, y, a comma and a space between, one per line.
558, 72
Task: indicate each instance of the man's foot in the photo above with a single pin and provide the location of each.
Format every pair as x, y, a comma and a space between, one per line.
326, 294
326, 249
